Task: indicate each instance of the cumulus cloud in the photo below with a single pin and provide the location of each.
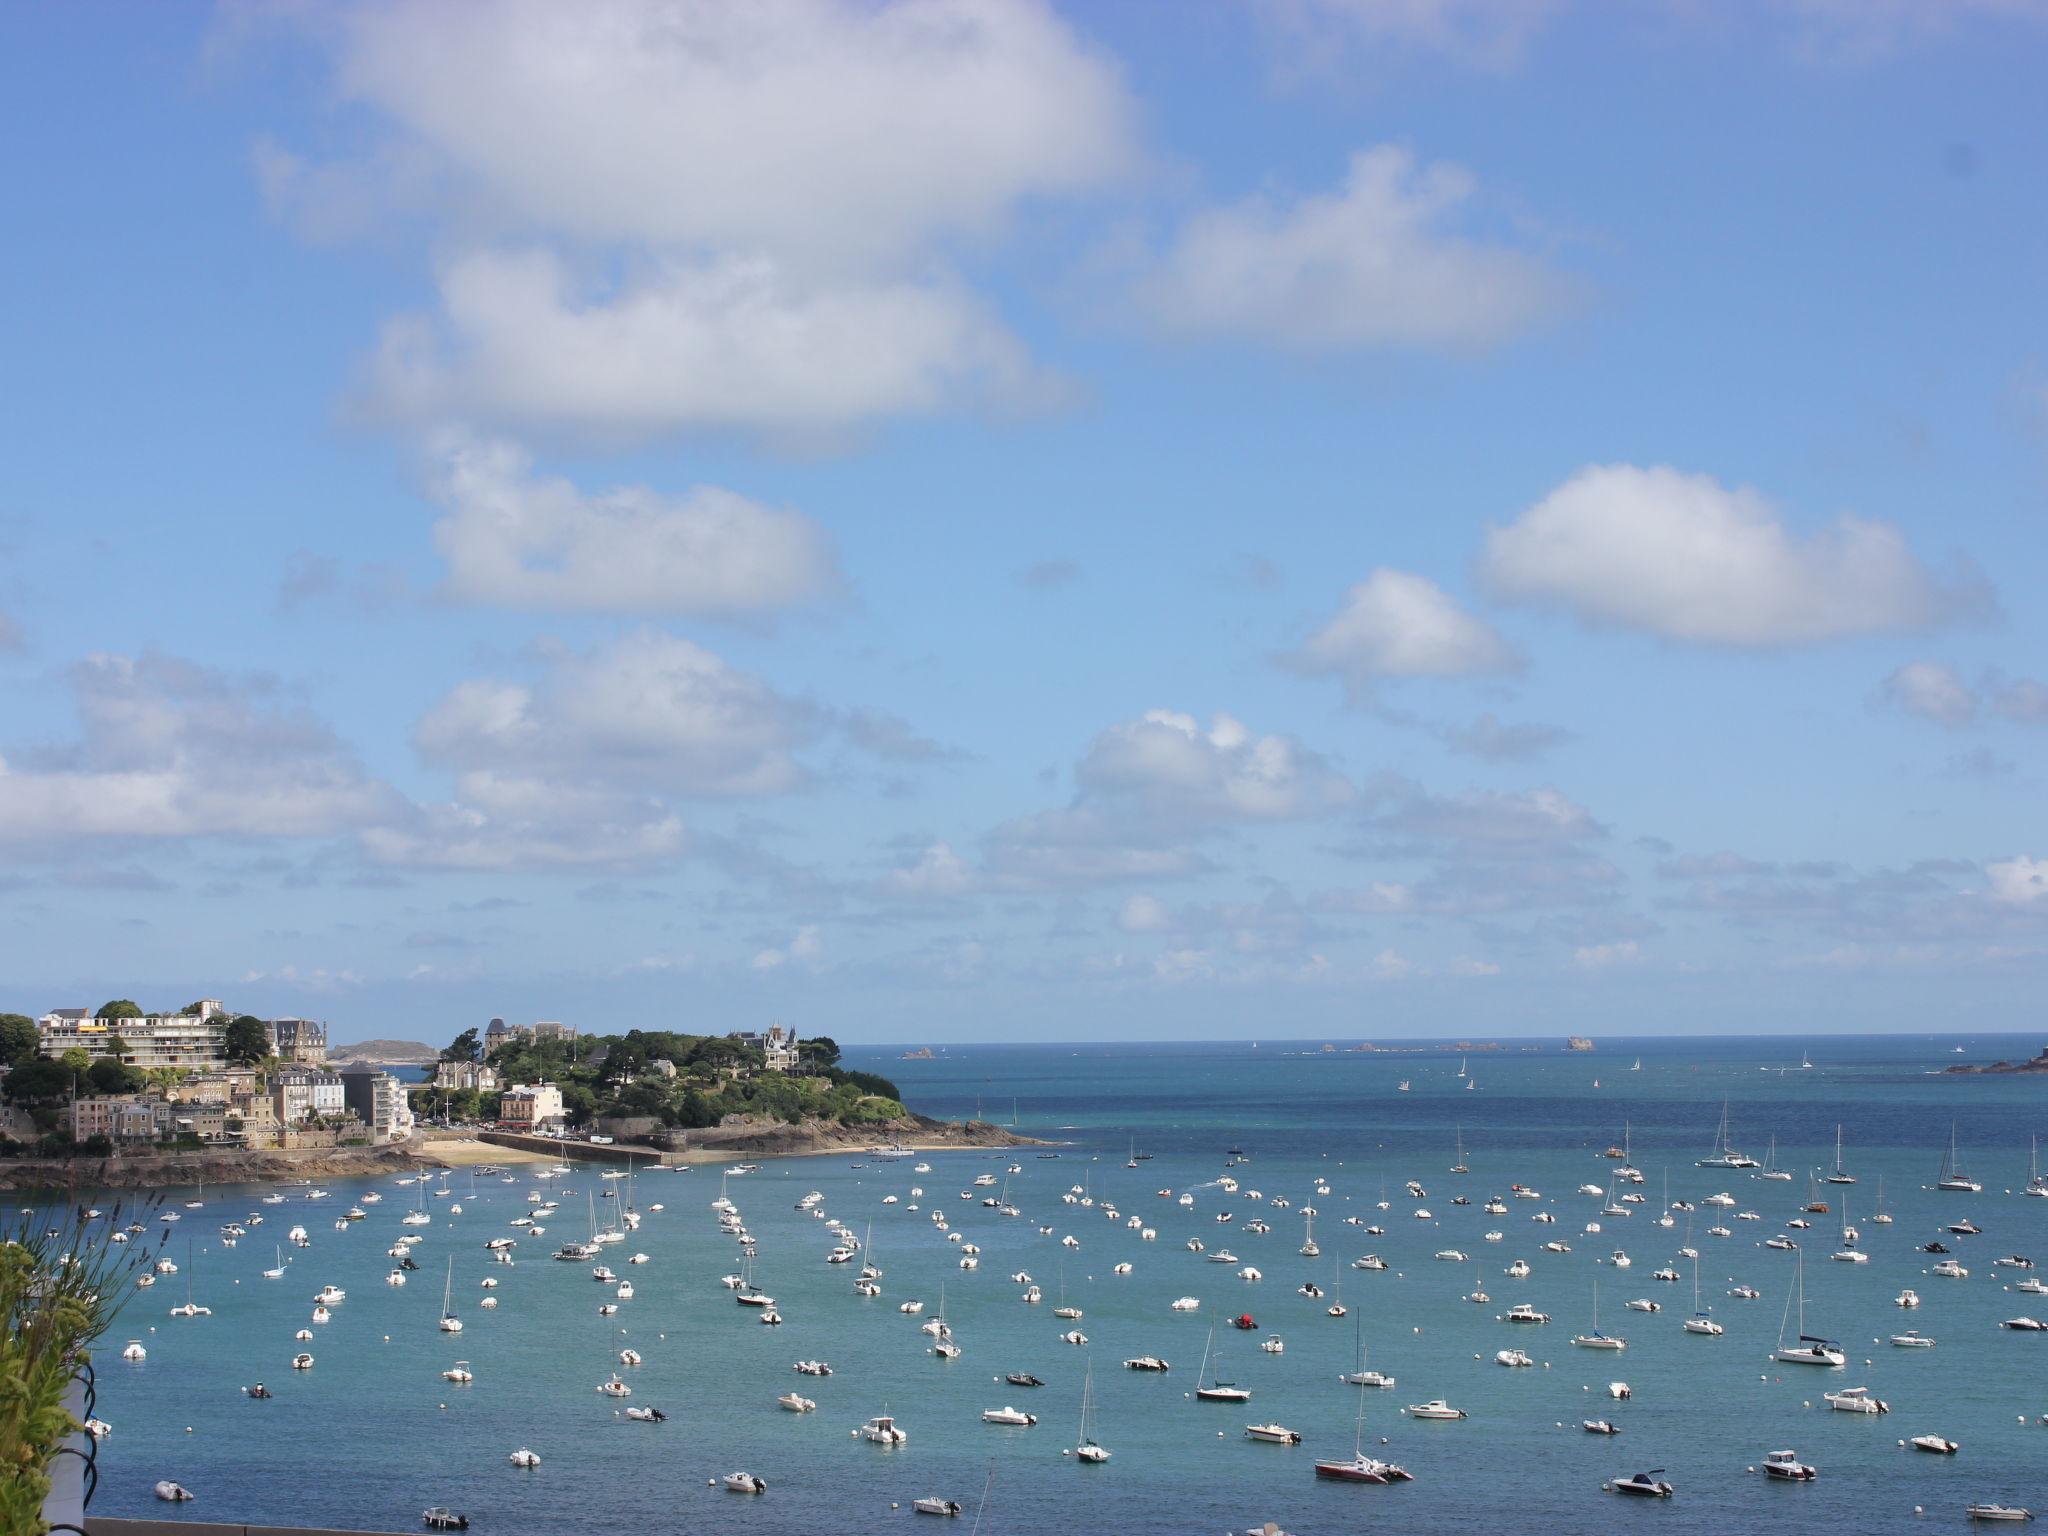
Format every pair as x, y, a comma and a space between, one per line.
735, 341
1398, 624
1148, 792
806, 948
761, 198
1681, 555
1601, 957
1144, 914
515, 539
507, 822
1932, 691
171, 749
1170, 766
1935, 691
2019, 880
649, 711
1378, 262
939, 872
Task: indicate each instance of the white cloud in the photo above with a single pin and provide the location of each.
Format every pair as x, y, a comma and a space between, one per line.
1168, 765
804, 949
1685, 557
1144, 914
1469, 967
938, 873
1378, 262
1397, 624
1935, 691
1932, 691
171, 749
735, 341
1600, 957
504, 822
1391, 965
771, 192
2019, 880
521, 541
826, 129
649, 711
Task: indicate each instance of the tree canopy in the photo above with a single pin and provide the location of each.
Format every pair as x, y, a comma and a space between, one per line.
246, 1039
119, 1008
466, 1046
19, 1038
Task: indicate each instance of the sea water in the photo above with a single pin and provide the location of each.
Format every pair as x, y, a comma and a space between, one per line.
372, 1434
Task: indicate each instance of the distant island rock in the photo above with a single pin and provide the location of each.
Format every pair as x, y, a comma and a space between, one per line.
2037, 1064
922, 1053
386, 1053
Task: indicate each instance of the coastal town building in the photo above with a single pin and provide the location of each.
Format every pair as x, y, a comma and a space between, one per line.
120, 1117
297, 1040
536, 1106
776, 1044
378, 1100
157, 1041
300, 1092
498, 1033
455, 1076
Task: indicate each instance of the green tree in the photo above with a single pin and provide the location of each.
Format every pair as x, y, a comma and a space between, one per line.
19, 1038
115, 1047
246, 1039
110, 1076
464, 1047
38, 1080
119, 1008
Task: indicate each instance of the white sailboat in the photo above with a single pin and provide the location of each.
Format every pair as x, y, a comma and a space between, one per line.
2037, 1184
450, 1323
1770, 1169
1724, 1155
1085, 1448
1699, 1322
1459, 1165
1952, 1175
1838, 1174
1810, 1350
1308, 1243
1595, 1339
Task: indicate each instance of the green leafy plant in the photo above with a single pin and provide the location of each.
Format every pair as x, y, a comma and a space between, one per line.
62, 1282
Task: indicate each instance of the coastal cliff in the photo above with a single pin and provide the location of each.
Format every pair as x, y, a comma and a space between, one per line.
2036, 1064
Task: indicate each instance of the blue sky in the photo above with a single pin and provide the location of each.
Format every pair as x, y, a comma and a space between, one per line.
930, 520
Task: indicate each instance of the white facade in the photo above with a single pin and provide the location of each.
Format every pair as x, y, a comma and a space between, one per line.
531, 1105
160, 1040
301, 1092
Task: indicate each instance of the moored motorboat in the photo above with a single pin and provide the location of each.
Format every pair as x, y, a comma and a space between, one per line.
743, 1482
1643, 1485
1937, 1445
1787, 1467
1272, 1434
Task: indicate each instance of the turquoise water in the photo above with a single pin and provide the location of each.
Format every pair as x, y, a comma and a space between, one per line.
372, 1433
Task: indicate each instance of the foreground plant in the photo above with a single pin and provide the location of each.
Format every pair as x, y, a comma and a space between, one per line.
63, 1280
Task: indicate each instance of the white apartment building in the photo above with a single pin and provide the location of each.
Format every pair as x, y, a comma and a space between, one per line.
159, 1040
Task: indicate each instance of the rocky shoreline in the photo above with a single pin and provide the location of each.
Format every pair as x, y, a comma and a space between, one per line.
2036, 1064
172, 1170
747, 1136
756, 1136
